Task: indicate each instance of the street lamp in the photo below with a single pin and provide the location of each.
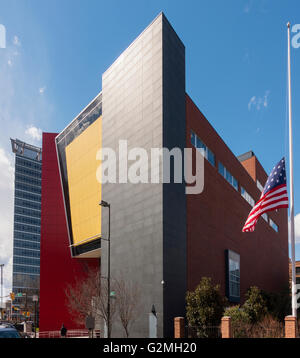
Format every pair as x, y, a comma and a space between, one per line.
1, 266
35, 299
107, 205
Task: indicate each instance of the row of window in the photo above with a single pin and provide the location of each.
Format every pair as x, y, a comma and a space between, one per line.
27, 220
28, 212
27, 228
247, 197
197, 142
28, 204
18, 260
28, 163
26, 244
24, 195
20, 280
209, 155
26, 252
25, 269
27, 180
25, 171
228, 176
26, 236
31, 189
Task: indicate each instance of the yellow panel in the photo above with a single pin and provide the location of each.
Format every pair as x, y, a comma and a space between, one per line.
84, 189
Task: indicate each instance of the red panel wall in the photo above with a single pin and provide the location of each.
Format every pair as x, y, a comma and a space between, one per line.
215, 219
57, 267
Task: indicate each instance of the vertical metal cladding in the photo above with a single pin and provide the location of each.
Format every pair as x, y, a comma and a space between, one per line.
174, 198
144, 104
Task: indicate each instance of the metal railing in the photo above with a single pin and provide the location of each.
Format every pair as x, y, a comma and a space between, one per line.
257, 331
74, 333
203, 332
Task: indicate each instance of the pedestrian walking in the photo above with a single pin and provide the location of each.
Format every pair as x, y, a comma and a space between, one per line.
63, 331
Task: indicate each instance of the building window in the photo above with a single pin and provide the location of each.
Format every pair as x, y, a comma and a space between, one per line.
247, 197
273, 225
265, 216
260, 187
232, 276
197, 142
228, 176
298, 270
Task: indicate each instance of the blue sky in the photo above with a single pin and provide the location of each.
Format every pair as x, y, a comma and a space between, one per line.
236, 63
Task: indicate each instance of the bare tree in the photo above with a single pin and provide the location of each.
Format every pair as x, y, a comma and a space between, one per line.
127, 301
81, 296
101, 304
90, 297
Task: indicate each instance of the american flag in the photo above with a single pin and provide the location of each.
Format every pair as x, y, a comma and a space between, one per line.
274, 196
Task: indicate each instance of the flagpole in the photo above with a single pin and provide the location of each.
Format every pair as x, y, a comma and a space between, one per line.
292, 225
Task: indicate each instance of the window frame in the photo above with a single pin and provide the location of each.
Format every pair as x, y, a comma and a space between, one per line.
233, 256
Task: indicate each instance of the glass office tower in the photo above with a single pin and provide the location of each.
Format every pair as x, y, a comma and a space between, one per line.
27, 220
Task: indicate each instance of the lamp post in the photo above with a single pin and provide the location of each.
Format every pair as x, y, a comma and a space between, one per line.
1, 266
35, 299
107, 205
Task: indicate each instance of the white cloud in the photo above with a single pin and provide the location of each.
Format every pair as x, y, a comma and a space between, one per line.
34, 132
266, 98
252, 102
23, 113
16, 41
248, 6
42, 89
6, 216
297, 228
257, 102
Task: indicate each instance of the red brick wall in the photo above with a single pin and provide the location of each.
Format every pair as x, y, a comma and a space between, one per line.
57, 268
215, 219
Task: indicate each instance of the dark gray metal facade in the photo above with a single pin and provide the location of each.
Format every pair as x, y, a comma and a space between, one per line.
143, 102
174, 198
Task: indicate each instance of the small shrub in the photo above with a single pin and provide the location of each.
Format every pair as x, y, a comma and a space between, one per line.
268, 327
205, 306
278, 303
255, 305
240, 321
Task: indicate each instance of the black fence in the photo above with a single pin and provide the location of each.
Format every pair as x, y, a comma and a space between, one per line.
203, 332
257, 331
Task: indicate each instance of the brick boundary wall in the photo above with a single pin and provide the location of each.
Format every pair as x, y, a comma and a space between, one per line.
179, 327
290, 327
